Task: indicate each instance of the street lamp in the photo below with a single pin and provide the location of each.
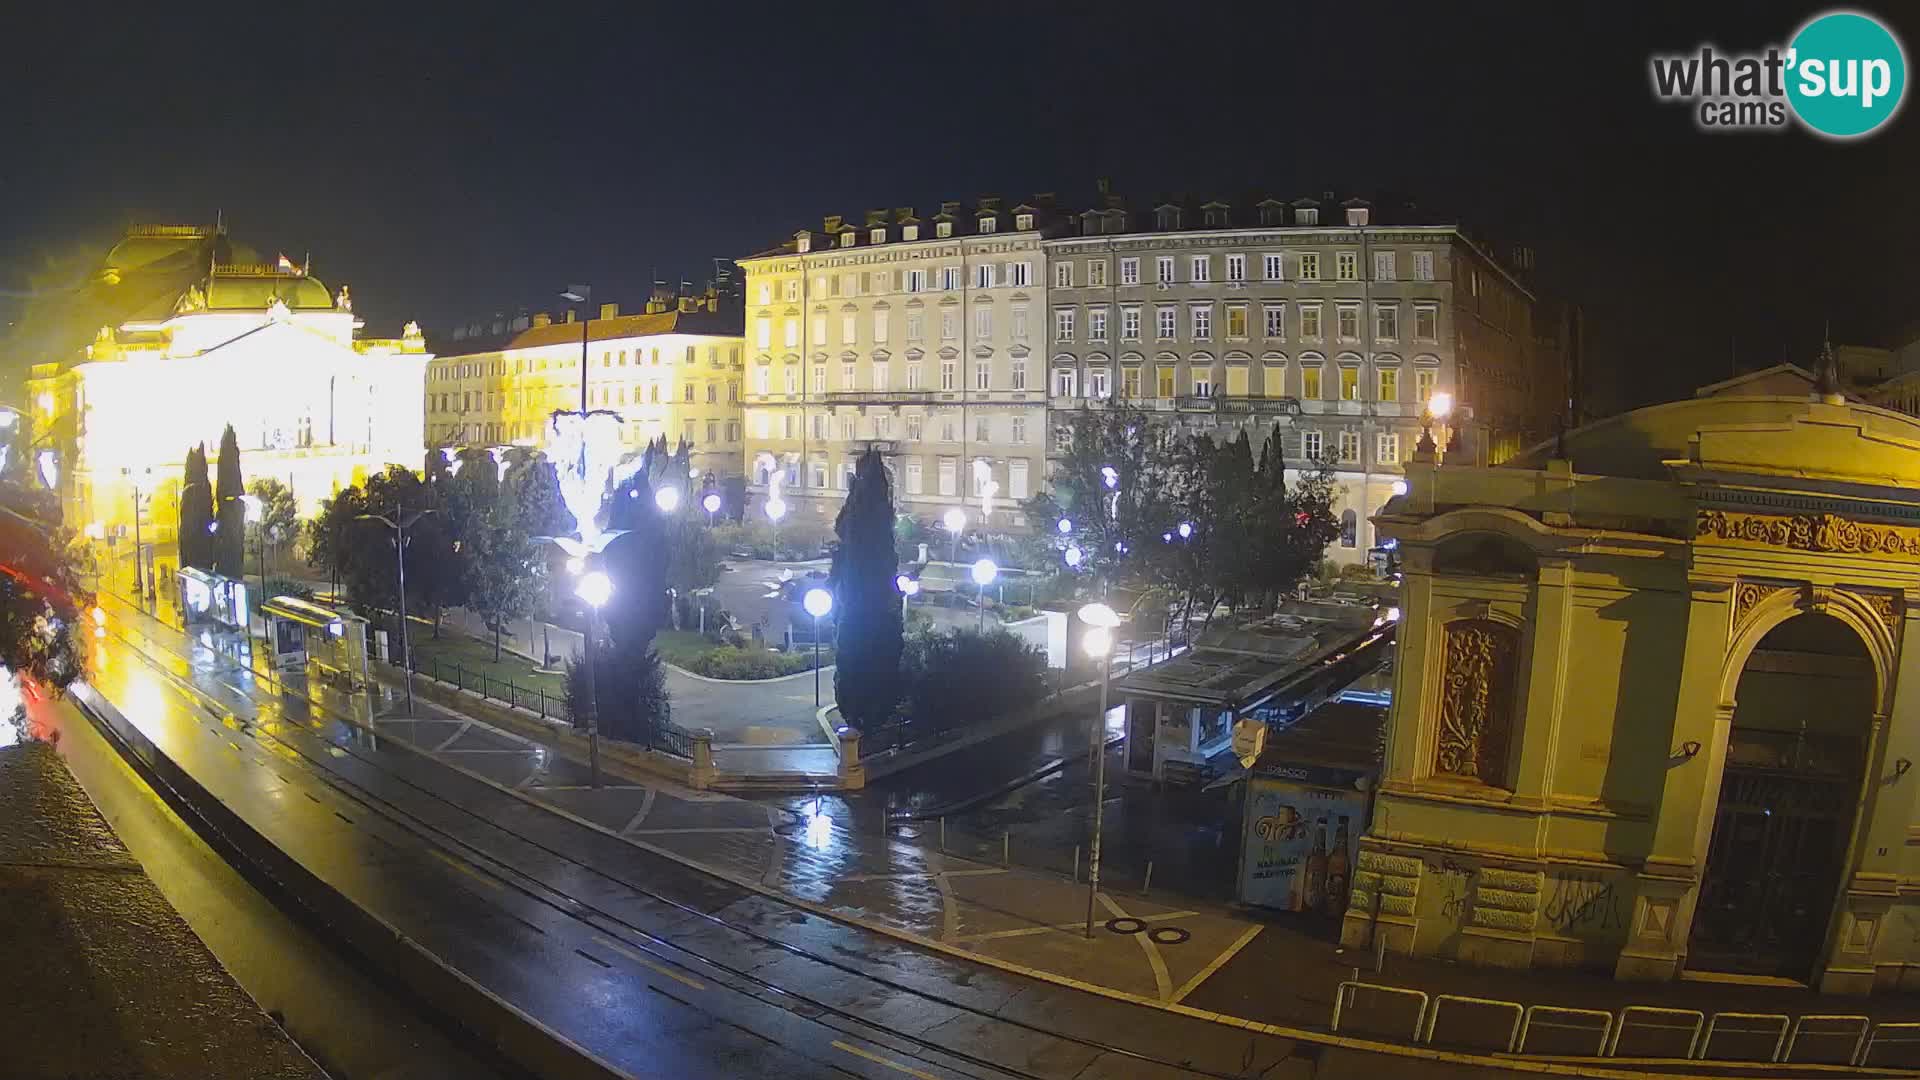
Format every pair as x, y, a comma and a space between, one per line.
818, 602
711, 504
256, 510
1399, 487
596, 589
1185, 530
1073, 556
984, 572
140, 585
908, 586
580, 294
667, 498
1100, 620
1065, 525
955, 519
400, 523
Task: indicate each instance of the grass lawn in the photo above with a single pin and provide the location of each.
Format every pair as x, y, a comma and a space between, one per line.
688, 650
679, 647
474, 655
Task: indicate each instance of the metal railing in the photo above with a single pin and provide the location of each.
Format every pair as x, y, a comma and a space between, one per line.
1632, 1032
534, 699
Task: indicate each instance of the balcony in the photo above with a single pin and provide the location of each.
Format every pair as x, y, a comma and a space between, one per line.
1258, 406
1196, 403
879, 397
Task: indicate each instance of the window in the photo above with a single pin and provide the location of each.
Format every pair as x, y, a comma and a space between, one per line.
1389, 379
1307, 215
943, 229
1386, 322
1309, 266
1383, 266
1098, 381
1163, 266
819, 329
913, 432
1202, 382
915, 326
1237, 322
1349, 523
761, 377
989, 224
849, 377
949, 476
1096, 273
1023, 221
1349, 382
983, 276
949, 278
793, 333
1349, 446
1275, 320
686, 393
1130, 382
1310, 446
766, 292
1018, 274
786, 426
792, 374
733, 393
1130, 271
982, 433
819, 469
1063, 274
1236, 268
1164, 319
1346, 266
1310, 382
913, 375
1426, 322
1129, 324
1346, 325
763, 333
1202, 320
713, 393
733, 431
947, 375
849, 330
913, 470
910, 232
713, 431
1388, 448
819, 378
1017, 478
879, 375
1423, 266
1423, 382
949, 325
1018, 374
1064, 382
982, 323
880, 327
1062, 439
1063, 325
793, 291
1202, 267
1270, 266
1019, 324
686, 430
877, 236
882, 426
947, 430
916, 281
983, 375
1164, 375
1018, 435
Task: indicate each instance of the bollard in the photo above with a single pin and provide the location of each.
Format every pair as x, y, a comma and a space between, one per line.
1148, 884
1076, 864
943, 834
1006, 847
1379, 953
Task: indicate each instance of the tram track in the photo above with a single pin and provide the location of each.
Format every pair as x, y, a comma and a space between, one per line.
676, 957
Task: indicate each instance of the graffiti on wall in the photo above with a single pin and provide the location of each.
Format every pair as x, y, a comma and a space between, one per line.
1585, 904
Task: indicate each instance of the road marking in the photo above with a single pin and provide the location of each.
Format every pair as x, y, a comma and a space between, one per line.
878, 1060
646, 804
924, 875
1161, 980
644, 961
464, 868
1218, 963
448, 741
1080, 925
759, 829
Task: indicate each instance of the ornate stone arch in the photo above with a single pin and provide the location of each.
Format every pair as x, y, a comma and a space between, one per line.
1761, 606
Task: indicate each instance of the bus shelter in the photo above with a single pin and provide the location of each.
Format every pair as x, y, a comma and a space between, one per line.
304, 636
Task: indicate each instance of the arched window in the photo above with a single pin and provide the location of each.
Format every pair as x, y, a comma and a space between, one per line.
1349, 529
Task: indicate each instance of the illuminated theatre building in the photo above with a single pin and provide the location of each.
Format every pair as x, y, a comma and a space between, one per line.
193, 336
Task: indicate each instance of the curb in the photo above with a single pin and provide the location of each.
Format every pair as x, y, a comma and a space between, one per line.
824, 668
500, 1025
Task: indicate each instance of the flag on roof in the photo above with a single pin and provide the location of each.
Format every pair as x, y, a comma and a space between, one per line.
286, 265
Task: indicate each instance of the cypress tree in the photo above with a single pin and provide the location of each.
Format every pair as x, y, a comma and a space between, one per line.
866, 680
196, 512
230, 539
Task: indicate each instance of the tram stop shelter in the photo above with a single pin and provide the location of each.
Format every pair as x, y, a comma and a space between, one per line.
304, 636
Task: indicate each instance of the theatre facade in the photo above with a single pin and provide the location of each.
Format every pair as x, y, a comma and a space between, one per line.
1651, 709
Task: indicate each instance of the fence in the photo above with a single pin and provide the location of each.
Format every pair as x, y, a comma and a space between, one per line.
534, 699
1633, 1032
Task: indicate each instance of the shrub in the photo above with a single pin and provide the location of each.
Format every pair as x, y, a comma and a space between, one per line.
964, 677
727, 662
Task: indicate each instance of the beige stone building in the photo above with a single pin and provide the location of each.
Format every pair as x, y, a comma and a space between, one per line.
923, 336
1651, 711
674, 369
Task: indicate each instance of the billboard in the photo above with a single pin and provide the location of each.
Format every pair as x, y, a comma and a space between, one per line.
1300, 838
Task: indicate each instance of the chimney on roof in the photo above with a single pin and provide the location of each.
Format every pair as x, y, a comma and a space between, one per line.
951, 207
903, 213
609, 311
989, 204
541, 318
876, 217
1104, 186
1045, 200
832, 223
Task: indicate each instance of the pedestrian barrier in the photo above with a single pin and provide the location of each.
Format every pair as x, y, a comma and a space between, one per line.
1553, 1019
1846, 1034
1349, 992
1656, 1020
1903, 1039
1475, 1004
1752, 1026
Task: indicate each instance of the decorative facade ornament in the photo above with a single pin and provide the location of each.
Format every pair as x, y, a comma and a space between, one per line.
1476, 700
1810, 532
1885, 605
1749, 595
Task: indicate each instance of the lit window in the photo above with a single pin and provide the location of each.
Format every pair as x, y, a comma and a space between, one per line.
1309, 266
1023, 221
1388, 450
1349, 446
1346, 266
1349, 383
988, 224
1389, 384
1237, 321
1310, 382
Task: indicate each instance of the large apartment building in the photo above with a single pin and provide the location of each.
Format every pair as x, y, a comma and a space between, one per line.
1311, 314
961, 343
924, 337
674, 369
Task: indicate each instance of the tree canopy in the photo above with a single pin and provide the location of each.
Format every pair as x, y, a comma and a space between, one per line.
867, 612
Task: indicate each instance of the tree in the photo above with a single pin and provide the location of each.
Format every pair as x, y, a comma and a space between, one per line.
41, 598
1111, 521
955, 678
505, 577
637, 690
230, 537
1295, 524
532, 489
196, 512
279, 521
866, 679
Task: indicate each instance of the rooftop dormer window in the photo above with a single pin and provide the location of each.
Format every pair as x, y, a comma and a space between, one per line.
1307, 215
1167, 217
878, 236
1023, 222
1358, 215
1272, 215
1216, 217
846, 238
909, 232
988, 223
943, 229
803, 243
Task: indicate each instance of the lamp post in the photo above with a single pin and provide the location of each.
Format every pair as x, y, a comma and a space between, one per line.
955, 520
580, 294
984, 572
256, 509
400, 523
908, 586
667, 498
1100, 620
818, 602
139, 570
710, 502
596, 588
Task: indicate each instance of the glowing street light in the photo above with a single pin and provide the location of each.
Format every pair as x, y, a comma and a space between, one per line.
1074, 555
908, 586
576, 565
667, 498
1100, 620
1440, 404
1065, 525
1399, 487
955, 519
984, 572
1110, 476
710, 502
596, 589
1185, 530
818, 603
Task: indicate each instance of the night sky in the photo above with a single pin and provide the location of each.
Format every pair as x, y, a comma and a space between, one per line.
452, 164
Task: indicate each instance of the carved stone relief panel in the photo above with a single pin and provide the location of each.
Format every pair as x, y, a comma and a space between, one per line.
1476, 700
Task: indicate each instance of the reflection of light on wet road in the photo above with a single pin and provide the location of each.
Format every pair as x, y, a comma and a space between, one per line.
819, 827
144, 703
